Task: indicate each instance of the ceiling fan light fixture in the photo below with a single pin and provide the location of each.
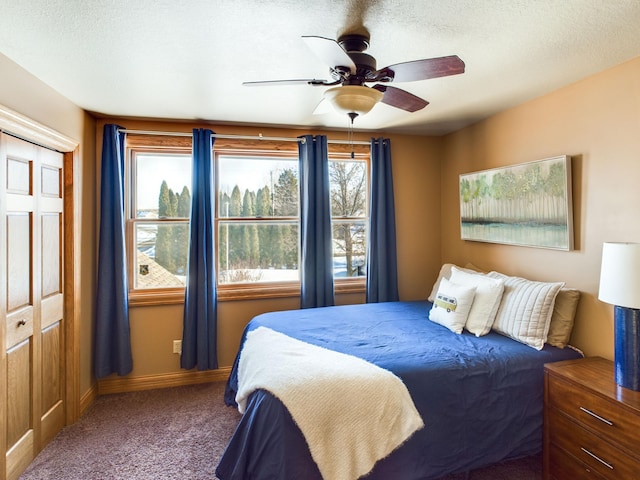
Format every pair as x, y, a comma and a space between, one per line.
353, 98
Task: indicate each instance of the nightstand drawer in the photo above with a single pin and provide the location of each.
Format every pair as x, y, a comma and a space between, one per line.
590, 449
564, 466
603, 416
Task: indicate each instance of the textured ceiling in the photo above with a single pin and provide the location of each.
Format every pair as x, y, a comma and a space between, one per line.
186, 59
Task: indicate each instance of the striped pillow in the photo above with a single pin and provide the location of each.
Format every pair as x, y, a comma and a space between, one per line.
525, 310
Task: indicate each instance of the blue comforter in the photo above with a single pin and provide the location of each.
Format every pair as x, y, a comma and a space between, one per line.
481, 398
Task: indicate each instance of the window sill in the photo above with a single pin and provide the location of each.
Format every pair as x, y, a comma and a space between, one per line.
240, 292
351, 285
156, 297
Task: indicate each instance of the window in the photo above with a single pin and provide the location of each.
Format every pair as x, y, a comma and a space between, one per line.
257, 217
160, 203
348, 185
258, 211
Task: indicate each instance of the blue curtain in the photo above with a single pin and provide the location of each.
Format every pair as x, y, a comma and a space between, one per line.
112, 352
316, 269
199, 333
382, 263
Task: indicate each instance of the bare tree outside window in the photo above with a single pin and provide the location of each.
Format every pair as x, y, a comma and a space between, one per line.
348, 184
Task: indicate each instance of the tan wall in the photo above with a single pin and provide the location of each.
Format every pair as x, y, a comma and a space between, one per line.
597, 122
29, 96
416, 168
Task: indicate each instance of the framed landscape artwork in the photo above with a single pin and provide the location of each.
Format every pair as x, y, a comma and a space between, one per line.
527, 204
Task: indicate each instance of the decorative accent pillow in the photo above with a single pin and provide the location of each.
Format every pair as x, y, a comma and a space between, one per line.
485, 302
445, 272
562, 318
525, 310
451, 305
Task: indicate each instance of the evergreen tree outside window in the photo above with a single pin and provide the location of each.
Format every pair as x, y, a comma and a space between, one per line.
258, 218
160, 219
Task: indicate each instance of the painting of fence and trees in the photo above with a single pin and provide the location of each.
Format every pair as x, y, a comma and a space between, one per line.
527, 204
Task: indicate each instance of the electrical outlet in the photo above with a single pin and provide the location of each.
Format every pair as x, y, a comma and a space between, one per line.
177, 346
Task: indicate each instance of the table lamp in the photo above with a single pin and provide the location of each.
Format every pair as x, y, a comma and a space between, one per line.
620, 286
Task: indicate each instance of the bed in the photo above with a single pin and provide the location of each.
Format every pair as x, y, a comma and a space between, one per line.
481, 398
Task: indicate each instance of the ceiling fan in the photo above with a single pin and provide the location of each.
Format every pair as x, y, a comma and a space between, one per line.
351, 69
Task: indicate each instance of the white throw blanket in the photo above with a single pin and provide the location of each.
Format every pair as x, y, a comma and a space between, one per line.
352, 413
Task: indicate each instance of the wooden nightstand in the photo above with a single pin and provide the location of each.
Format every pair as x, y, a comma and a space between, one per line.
591, 425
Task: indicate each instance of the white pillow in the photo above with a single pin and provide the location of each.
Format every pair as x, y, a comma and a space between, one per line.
525, 310
485, 302
451, 305
445, 272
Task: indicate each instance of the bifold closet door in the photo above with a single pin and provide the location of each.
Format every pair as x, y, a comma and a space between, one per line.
34, 306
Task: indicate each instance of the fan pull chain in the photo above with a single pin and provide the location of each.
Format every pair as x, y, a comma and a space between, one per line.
352, 116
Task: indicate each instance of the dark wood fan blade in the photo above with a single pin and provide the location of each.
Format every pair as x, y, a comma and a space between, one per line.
399, 98
425, 69
302, 81
330, 52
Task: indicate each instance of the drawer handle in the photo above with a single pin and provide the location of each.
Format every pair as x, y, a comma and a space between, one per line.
597, 458
22, 322
595, 415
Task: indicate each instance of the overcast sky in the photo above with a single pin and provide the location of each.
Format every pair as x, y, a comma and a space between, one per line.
247, 174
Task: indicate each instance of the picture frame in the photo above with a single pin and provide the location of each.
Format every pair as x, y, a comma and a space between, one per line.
528, 204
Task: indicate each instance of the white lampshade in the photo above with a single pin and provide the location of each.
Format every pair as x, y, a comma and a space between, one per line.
620, 274
353, 98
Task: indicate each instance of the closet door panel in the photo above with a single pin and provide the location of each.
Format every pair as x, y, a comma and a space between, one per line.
51, 180
20, 429
52, 405
19, 292
51, 257
19, 391
19, 176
